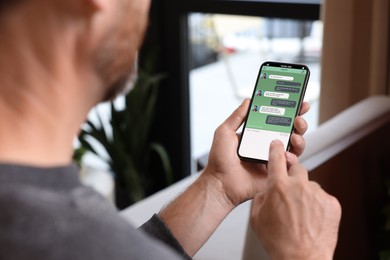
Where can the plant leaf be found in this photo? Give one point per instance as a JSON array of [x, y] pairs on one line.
[[160, 150]]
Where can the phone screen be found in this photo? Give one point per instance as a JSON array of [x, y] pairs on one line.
[[276, 100]]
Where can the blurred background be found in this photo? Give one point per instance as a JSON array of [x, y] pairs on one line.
[[226, 53]]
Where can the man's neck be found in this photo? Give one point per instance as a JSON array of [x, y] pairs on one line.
[[30, 133], [42, 103]]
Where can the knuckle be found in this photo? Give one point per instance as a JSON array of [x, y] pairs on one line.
[[298, 143], [298, 170], [238, 117], [315, 185], [303, 144], [335, 204], [220, 130], [304, 124], [302, 141], [300, 125], [302, 185], [279, 186]]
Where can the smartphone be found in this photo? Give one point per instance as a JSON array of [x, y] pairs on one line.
[[276, 101]]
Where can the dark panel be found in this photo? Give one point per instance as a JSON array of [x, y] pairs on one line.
[[168, 35], [270, 9]]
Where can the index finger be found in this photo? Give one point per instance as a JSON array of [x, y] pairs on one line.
[[277, 163]]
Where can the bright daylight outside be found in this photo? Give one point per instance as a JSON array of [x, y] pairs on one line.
[[226, 53]]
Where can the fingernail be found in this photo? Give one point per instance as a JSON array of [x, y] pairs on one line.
[[276, 141]]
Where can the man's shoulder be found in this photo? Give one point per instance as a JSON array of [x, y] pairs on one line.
[[29, 208], [79, 224], [81, 199]]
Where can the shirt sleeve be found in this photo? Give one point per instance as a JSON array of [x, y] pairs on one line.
[[156, 228]]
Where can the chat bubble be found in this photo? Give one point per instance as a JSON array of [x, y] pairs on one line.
[[283, 103], [272, 110], [287, 89], [281, 77], [286, 83], [278, 120], [276, 95]]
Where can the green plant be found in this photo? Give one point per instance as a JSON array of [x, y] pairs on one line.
[[78, 155], [133, 156]]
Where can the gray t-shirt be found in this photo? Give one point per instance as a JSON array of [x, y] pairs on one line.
[[46, 213]]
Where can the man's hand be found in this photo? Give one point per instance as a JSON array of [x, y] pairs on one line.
[[226, 182], [294, 218], [242, 180]]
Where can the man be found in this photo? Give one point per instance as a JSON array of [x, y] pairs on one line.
[[58, 59]]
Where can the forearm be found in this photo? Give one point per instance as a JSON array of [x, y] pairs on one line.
[[195, 214]]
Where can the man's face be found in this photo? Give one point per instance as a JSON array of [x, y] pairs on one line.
[[116, 56]]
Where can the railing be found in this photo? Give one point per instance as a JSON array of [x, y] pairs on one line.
[[348, 155]]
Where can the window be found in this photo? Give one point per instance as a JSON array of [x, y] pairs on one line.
[[181, 27], [226, 52]]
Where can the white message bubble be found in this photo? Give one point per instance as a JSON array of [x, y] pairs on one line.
[[280, 77], [272, 110], [276, 95]]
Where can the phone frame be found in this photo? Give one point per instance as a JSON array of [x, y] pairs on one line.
[[301, 98]]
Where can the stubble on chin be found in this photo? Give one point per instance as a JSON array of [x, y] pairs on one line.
[[123, 85], [116, 61]]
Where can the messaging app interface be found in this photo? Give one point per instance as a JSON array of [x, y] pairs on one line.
[[273, 109]]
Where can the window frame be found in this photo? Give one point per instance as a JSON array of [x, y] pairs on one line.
[[174, 100]]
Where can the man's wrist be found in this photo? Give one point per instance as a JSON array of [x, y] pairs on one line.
[[216, 189], [197, 211]]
